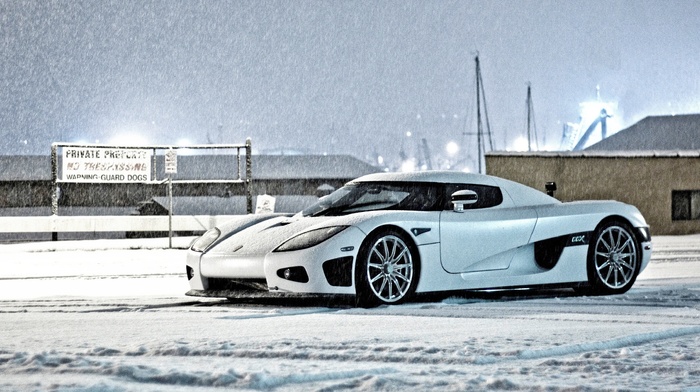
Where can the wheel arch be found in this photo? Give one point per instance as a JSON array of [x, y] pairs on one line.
[[619, 218], [384, 227], [408, 239], [613, 218], [411, 243]]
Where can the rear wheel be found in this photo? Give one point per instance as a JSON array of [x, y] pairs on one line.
[[613, 259], [386, 270]]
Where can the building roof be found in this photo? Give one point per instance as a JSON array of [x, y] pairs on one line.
[[309, 166], [599, 154], [679, 132], [268, 167], [214, 167]]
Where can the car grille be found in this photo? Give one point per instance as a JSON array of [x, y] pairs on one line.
[[237, 284]]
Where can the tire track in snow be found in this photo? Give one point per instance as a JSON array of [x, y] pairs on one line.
[[422, 354], [279, 313], [95, 277], [675, 256], [60, 363], [622, 342]]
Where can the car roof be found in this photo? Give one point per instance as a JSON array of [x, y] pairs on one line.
[[518, 194], [436, 176]]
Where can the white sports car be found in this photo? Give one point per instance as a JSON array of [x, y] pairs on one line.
[[384, 237]]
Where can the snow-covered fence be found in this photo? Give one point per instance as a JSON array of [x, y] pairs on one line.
[[130, 223]]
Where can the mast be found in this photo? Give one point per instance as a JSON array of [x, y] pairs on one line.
[[481, 104], [481, 96], [479, 131], [531, 127]]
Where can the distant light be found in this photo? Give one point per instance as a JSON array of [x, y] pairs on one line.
[[129, 139], [408, 165], [408, 133], [452, 148], [520, 144], [590, 110], [552, 146], [185, 151], [380, 160]]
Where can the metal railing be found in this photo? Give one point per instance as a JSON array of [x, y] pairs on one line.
[[247, 148], [153, 180]]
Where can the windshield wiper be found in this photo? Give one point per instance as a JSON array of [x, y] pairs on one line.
[[328, 211], [361, 207]]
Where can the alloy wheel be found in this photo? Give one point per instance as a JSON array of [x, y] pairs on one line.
[[390, 268], [615, 257]]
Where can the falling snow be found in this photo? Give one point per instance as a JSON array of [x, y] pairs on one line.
[[353, 77]]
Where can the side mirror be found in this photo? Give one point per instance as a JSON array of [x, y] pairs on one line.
[[464, 197], [551, 187]]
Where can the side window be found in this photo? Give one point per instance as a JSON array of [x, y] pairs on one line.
[[489, 196], [685, 205]]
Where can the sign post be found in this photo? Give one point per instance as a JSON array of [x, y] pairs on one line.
[[170, 169]]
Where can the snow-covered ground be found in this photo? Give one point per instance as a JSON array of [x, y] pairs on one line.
[[112, 316]]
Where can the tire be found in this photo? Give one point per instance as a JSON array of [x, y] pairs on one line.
[[613, 259], [386, 270]]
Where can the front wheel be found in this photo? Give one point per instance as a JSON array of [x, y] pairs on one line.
[[386, 270], [613, 259]]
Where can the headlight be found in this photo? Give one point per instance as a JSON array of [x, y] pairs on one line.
[[309, 238], [203, 242]]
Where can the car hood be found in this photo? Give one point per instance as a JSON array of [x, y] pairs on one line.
[[262, 237]]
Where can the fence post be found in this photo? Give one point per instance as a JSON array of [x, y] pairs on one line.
[[249, 175], [154, 172], [54, 184]]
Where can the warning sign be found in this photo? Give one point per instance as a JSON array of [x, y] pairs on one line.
[[265, 204], [171, 161], [93, 164]]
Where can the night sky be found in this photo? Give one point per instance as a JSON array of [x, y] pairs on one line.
[[336, 77]]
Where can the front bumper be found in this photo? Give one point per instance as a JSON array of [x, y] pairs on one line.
[[326, 268], [647, 248], [644, 236]]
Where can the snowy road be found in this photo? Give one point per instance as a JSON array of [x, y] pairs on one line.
[[110, 315]]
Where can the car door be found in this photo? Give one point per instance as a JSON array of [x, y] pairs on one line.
[[486, 234]]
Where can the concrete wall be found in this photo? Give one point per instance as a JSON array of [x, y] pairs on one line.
[[645, 180]]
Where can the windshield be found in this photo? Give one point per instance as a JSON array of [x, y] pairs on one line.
[[377, 196]]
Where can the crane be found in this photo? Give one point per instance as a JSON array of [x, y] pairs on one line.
[[602, 120]]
